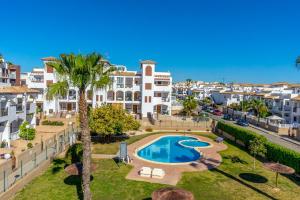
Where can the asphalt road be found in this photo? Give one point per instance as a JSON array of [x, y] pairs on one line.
[[272, 137]]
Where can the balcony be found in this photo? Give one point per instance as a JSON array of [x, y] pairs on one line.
[[3, 112], [287, 108]]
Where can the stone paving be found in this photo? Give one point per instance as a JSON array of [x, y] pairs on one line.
[[211, 159]]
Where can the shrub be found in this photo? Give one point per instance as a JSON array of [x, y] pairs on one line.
[[149, 129], [275, 152], [29, 145], [26, 133], [52, 123], [75, 153]]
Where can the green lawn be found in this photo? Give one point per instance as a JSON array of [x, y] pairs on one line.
[[222, 183]]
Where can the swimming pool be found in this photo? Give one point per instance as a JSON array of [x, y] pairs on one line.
[[167, 149]]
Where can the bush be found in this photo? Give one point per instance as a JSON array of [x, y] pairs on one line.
[[75, 153], [109, 119], [26, 133], [240, 133], [52, 123], [29, 145], [275, 152], [149, 129]]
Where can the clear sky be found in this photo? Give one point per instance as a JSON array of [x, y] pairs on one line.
[[211, 40]]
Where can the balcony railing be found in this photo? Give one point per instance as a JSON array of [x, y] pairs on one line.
[[3, 112]]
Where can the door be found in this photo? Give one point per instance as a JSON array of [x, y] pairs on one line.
[[69, 106], [135, 108], [158, 109]]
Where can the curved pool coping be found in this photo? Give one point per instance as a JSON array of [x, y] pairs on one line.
[[187, 146], [163, 163]]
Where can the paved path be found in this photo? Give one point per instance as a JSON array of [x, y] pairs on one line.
[[103, 156], [272, 137]]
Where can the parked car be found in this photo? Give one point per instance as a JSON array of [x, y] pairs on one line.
[[217, 112], [227, 117], [210, 110], [242, 122]]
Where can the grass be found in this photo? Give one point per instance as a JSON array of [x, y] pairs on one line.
[[233, 179]]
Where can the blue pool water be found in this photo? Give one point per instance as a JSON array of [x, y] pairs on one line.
[[194, 143], [168, 150]]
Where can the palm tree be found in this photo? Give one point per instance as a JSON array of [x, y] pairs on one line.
[[259, 107], [188, 83], [189, 105], [298, 62], [80, 71]]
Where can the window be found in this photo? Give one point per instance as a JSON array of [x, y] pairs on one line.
[[148, 71], [120, 82], [149, 99], [49, 69], [145, 99], [148, 86], [101, 98], [97, 97]]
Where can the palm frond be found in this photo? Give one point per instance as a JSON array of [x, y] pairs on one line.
[[298, 62], [59, 89]]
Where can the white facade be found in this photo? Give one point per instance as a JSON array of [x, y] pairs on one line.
[[143, 93], [17, 104]]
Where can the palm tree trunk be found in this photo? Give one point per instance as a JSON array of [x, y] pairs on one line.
[[86, 140]]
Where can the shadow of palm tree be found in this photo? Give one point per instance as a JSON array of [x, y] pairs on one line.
[[75, 180], [243, 183], [254, 178]]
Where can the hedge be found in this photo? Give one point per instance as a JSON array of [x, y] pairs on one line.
[[275, 152], [52, 123]]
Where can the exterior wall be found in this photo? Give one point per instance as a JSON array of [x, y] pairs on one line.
[[14, 113], [147, 94]]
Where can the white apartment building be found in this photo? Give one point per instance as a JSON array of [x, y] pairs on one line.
[[17, 104], [9, 73], [143, 93]]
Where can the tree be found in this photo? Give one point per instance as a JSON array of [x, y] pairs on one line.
[[257, 147], [298, 62], [206, 101], [259, 107], [26, 133], [108, 120], [80, 71], [189, 105]]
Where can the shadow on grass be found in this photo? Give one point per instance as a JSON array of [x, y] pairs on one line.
[[57, 165], [254, 178], [235, 159], [293, 177], [75, 180], [243, 183]]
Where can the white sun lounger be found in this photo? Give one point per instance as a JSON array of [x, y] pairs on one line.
[[158, 173], [145, 172]]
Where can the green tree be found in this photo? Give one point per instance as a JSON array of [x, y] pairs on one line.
[[108, 120], [259, 107], [189, 105], [206, 101], [26, 133], [80, 71], [257, 147]]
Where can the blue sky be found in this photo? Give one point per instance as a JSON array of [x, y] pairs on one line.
[[211, 40]]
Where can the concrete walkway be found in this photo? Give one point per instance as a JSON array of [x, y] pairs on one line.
[[211, 159], [103, 156]]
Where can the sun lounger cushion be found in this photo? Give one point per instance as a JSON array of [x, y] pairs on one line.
[[158, 173], [145, 172]]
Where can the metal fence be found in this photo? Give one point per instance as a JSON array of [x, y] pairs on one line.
[[14, 170]]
